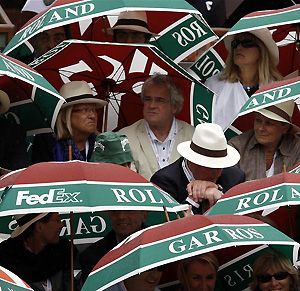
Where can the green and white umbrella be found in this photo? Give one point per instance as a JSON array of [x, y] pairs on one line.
[[34, 102], [179, 35], [183, 238], [268, 95], [276, 197], [80, 187]]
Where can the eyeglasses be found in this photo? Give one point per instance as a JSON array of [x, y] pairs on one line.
[[246, 43], [264, 278], [86, 110], [159, 100]]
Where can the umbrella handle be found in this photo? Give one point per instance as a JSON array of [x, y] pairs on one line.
[[72, 250], [166, 214]]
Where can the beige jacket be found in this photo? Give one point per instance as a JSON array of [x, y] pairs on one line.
[[140, 144]]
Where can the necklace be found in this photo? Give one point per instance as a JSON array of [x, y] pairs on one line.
[[250, 89]]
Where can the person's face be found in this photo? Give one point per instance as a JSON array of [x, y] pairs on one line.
[[273, 283], [50, 230], [158, 110], [146, 281], [129, 36], [201, 276], [47, 40], [245, 50], [204, 173], [84, 119], [125, 223], [269, 132]]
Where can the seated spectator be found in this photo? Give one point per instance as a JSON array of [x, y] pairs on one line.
[[76, 127], [13, 140], [112, 147], [36, 253], [124, 223], [48, 39], [199, 175], [272, 145], [251, 63], [274, 271], [198, 273], [153, 140], [145, 281], [132, 27]]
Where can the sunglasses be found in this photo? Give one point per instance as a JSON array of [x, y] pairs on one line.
[[277, 276], [246, 43]]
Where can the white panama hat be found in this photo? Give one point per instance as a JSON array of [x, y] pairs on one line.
[[264, 35], [209, 148]]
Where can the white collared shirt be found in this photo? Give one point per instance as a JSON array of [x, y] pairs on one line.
[[163, 149]]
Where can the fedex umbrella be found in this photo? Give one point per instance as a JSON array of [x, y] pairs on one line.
[[34, 102], [180, 239], [180, 34], [117, 72], [272, 197], [10, 281], [80, 187], [284, 26]]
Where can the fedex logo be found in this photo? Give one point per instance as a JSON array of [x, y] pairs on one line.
[[54, 196]]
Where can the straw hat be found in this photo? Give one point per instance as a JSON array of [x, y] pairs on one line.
[[25, 220], [265, 36], [4, 102], [79, 92], [133, 20], [112, 147], [209, 148], [280, 112]]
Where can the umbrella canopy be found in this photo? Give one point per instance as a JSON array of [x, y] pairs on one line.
[[34, 102], [10, 281], [80, 187], [268, 95], [265, 196], [184, 35], [117, 72], [180, 239]]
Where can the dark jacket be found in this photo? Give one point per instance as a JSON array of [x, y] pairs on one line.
[[52, 263], [173, 180], [45, 148], [13, 154]]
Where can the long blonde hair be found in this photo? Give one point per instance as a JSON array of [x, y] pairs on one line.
[[63, 123], [267, 71]]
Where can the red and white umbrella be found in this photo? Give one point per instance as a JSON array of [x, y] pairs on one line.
[[11, 282]]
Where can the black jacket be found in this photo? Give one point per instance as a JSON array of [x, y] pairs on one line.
[[173, 180]]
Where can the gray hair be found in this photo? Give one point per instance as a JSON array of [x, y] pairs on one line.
[[159, 79], [63, 123]]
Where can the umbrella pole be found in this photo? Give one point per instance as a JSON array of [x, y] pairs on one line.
[[72, 250], [166, 214]]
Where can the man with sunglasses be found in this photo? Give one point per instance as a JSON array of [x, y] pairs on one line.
[[251, 62]]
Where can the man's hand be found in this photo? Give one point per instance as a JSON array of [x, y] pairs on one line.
[[199, 190]]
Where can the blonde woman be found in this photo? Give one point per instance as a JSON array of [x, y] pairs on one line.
[[274, 271], [198, 273], [76, 126], [251, 62]]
